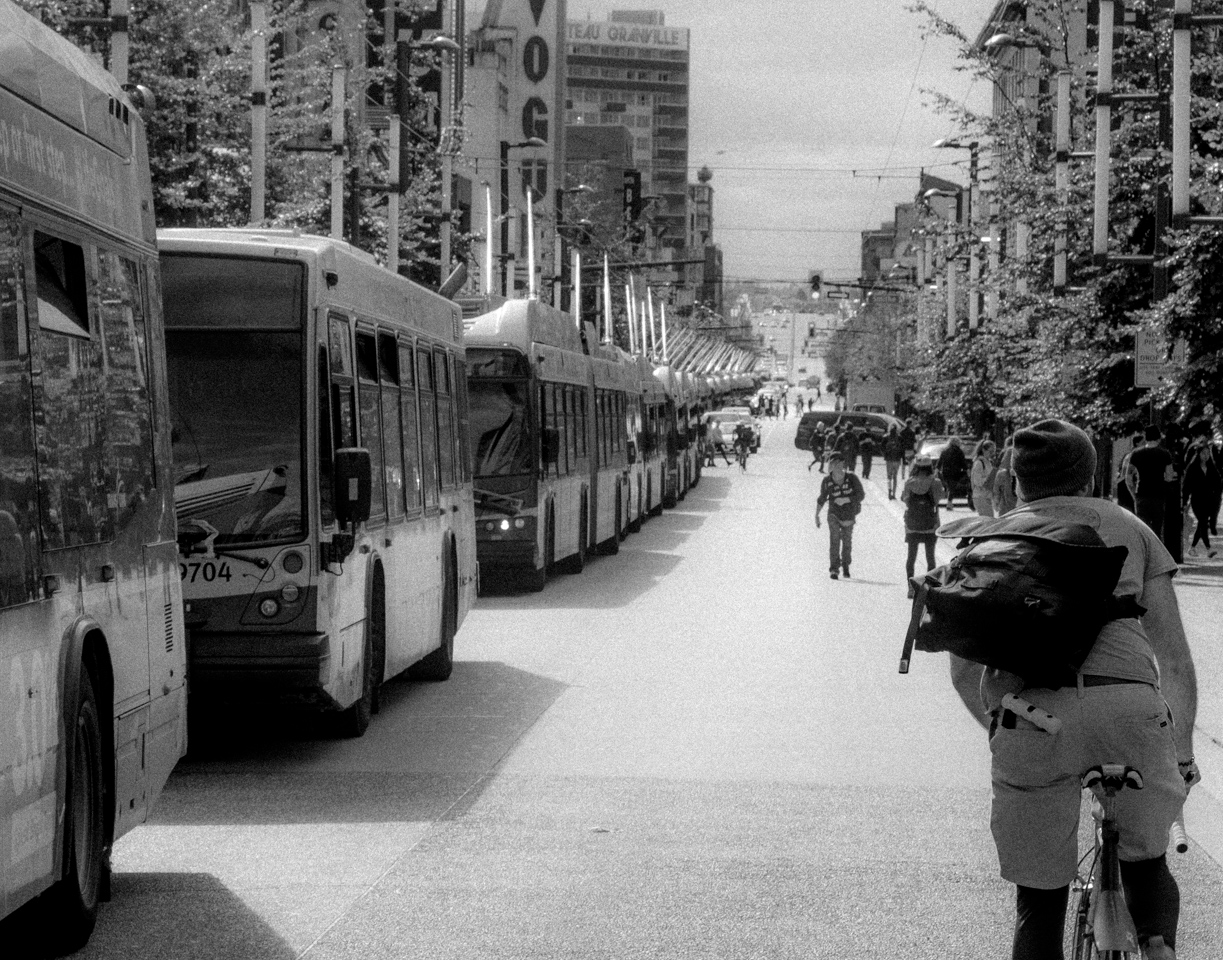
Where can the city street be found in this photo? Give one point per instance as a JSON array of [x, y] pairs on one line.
[[700, 747]]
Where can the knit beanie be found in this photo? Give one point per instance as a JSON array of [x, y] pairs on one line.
[[1052, 458]]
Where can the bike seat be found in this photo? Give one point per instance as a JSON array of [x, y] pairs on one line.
[[1111, 777]]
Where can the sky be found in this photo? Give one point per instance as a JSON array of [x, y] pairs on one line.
[[818, 88]]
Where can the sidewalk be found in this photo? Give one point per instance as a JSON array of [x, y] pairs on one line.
[[1199, 588]]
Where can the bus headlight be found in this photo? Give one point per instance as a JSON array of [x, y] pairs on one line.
[[292, 562], [519, 523], [289, 593], [269, 607], [505, 524]]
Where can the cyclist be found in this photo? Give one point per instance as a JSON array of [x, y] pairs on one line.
[[1115, 714], [743, 442]]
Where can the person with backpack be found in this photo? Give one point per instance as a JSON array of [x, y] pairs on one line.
[[1004, 496], [921, 496], [982, 478], [893, 456], [952, 468], [843, 493], [1131, 699], [847, 447], [818, 438]]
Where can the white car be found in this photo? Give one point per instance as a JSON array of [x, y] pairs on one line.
[[730, 417]]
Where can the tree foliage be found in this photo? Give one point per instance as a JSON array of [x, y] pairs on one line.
[[195, 57], [1072, 356]]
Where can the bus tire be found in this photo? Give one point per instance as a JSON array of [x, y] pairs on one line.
[[377, 609], [437, 666], [611, 546], [72, 904], [550, 541], [535, 580]]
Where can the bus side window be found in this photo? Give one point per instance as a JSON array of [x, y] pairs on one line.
[[19, 553], [428, 424], [71, 399], [445, 419], [343, 409], [464, 440], [371, 419], [392, 434], [412, 481], [326, 449], [129, 440], [583, 424]]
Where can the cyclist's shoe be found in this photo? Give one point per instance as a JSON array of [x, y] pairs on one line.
[[845, 572], [1156, 949], [834, 575]]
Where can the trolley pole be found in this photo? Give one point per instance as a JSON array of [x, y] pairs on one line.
[[337, 151], [259, 109]]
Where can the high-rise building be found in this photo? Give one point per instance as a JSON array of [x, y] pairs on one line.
[[632, 71]]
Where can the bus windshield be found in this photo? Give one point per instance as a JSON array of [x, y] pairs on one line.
[[500, 427], [236, 400]]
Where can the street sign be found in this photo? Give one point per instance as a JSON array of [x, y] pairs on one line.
[[836, 295], [1151, 368]]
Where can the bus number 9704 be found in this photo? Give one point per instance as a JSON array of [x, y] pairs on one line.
[[205, 570]]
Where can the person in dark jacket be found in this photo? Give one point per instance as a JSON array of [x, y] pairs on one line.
[[847, 447], [867, 448], [1203, 483], [921, 495], [893, 457], [819, 438], [952, 468], [843, 493]]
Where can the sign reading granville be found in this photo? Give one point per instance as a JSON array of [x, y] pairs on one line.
[[626, 34]]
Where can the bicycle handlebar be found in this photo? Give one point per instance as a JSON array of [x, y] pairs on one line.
[[1179, 839]]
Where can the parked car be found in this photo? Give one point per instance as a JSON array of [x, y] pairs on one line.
[[729, 418], [933, 446], [876, 424]]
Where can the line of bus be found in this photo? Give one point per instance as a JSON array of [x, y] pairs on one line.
[[575, 442], [92, 659], [326, 535]]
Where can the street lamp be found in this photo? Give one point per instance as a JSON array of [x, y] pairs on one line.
[[506, 147], [974, 263]]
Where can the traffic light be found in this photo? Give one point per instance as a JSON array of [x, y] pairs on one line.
[[817, 283]]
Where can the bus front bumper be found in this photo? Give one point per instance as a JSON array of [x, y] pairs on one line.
[[282, 667]]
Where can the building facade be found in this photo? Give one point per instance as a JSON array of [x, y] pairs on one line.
[[632, 71]]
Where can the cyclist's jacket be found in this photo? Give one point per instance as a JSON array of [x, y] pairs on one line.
[[844, 499], [743, 434]]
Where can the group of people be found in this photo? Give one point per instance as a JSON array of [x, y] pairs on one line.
[[1136, 698], [1168, 472], [715, 442], [853, 443]]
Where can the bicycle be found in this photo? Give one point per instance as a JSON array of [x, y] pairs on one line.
[[1103, 927], [741, 455]]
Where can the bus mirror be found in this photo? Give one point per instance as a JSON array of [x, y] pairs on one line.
[[552, 445], [352, 475]]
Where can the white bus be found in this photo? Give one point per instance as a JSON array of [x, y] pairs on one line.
[[92, 660], [325, 516]]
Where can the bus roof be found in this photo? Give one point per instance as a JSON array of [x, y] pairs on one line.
[[522, 323], [47, 71], [361, 284]]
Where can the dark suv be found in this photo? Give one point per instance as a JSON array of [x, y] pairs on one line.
[[876, 424]]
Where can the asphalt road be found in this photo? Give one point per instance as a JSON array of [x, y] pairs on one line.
[[698, 748]]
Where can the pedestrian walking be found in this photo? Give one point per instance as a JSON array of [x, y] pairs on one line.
[[866, 450], [1120, 710], [818, 439], [952, 468], [1203, 435], [1148, 474], [921, 496], [1005, 499], [893, 457], [982, 478], [717, 443], [1174, 517], [811, 400], [1202, 487], [847, 446], [843, 493], [908, 437], [1125, 499]]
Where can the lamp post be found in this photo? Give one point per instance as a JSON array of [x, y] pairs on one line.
[[506, 147], [974, 260]]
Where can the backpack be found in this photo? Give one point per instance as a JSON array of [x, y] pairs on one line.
[[1026, 594], [921, 514]]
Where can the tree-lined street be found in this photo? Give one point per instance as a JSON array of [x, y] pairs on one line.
[[698, 748]]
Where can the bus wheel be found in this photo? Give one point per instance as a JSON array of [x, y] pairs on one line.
[[378, 625], [611, 546], [439, 664], [535, 580], [355, 720], [72, 904]]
